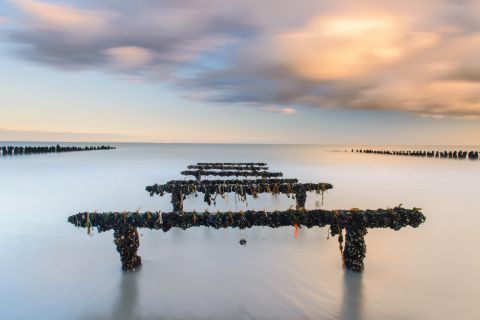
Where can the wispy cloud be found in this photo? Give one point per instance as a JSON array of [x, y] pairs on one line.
[[282, 110], [52, 16], [4, 20], [416, 56], [32, 135]]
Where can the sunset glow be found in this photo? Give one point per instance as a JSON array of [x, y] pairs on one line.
[[134, 71]]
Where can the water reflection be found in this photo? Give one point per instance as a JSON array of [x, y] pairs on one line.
[[126, 302], [125, 306], [272, 279], [352, 299]]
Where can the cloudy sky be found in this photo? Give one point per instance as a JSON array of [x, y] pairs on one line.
[[271, 71]]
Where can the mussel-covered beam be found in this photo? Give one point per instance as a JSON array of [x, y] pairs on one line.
[[210, 189], [252, 164], [226, 167], [231, 173], [354, 221], [395, 218], [244, 182]]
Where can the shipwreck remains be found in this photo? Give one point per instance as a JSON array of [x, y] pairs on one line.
[[350, 226]]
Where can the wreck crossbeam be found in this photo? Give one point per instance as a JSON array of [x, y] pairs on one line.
[[270, 183], [227, 167], [231, 173], [355, 223]]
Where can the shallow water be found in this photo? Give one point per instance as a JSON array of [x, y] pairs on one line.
[[52, 270]]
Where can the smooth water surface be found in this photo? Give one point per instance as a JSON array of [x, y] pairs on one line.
[[51, 270]]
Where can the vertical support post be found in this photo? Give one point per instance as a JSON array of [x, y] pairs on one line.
[[177, 199], [127, 241], [355, 247], [301, 197]]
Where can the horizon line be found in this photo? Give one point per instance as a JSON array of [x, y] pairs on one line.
[[237, 143]]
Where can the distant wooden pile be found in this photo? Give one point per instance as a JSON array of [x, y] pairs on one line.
[[471, 155], [24, 150]]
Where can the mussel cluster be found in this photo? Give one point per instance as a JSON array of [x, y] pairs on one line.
[[355, 248], [472, 155], [21, 150], [127, 241]]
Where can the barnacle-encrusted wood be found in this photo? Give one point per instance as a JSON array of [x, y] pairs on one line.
[[231, 181], [127, 241], [226, 167], [252, 164], [355, 222], [240, 169], [241, 188], [232, 173]]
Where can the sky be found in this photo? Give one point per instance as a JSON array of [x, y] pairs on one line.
[[241, 71]]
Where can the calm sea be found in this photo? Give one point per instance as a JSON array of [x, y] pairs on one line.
[[51, 270]]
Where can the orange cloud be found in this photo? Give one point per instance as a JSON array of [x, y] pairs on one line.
[[57, 16], [381, 62], [412, 56], [286, 111], [336, 47], [129, 57], [4, 20]]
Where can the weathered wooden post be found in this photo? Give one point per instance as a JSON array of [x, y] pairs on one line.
[[127, 241], [355, 248], [177, 199], [198, 176], [301, 197]]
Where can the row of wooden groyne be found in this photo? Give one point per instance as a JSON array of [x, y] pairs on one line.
[[350, 226], [471, 155], [23, 150]]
